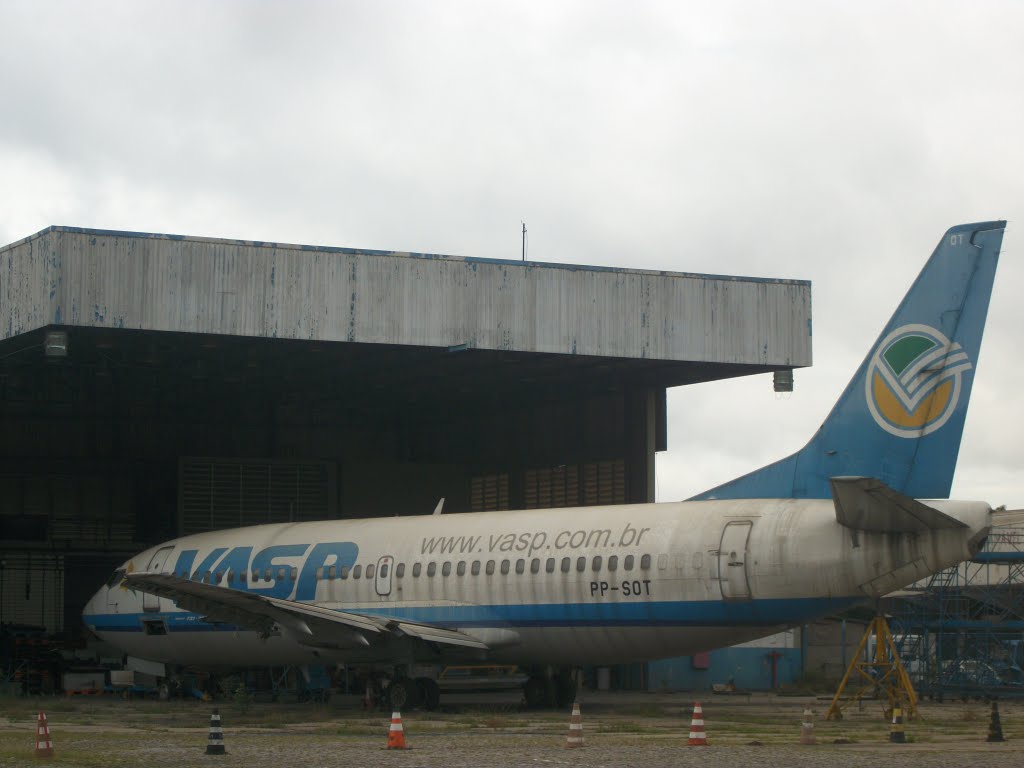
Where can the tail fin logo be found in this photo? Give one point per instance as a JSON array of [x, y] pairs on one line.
[[914, 380]]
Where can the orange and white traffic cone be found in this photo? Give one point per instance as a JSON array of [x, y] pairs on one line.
[[396, 734], [807, 728], [698, 738], [44, 747], [575, 737]]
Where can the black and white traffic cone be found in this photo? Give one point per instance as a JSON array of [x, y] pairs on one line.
[[215, 741], [995, 727]]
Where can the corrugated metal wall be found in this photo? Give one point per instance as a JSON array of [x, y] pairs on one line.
[[118, 280]]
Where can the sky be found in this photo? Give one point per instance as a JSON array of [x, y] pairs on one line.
[[827, 141]]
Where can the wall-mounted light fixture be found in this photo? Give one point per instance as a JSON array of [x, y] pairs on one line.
[[56, 344]]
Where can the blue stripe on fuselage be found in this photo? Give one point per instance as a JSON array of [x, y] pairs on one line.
[[703, 613]]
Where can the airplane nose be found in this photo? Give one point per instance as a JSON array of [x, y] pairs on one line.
[[96, 604]]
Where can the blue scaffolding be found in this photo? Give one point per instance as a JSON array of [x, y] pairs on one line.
[[961, 633]]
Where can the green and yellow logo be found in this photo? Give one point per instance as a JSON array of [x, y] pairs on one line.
[[914, 380]]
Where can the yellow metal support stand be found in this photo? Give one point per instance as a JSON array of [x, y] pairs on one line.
[[884, 677]]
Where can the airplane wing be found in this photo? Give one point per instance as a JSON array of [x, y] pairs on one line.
[[311, 624]]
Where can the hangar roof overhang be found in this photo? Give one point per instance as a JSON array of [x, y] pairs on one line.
[[384, 320]]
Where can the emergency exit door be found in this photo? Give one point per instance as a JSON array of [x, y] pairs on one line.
[[732, 561]]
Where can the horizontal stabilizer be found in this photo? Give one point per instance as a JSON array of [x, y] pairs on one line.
[[1003, 517], [867, 504]]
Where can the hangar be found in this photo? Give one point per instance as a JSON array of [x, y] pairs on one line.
[[155, 385]]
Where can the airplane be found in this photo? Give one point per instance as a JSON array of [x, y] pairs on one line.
[[835, 525]]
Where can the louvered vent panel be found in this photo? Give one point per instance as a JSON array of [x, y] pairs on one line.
[[219, 493], [488, 493]]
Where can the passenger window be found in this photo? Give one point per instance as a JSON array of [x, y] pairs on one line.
[[596, 564], [280, 574], [613, 562], [332, 572], [255, 575], [319, 573], [417, 568], [242, 575], [344, 572], [520, 566], [399, 570], [581, 564], [218, 576], [662, 562], [293, 574], [565, 564], [206, 577], [268, 575], [627, 564], [490, 567], [475, 570], [357, 572], [550, 565], [446, 569], [461, 568], [370, 570], [535, 565], [645, 562], [384, 571], [431, 569], [505, 566]]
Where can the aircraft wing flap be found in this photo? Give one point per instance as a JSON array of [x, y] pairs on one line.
[[432, 634], [307, 610], [867, 504]]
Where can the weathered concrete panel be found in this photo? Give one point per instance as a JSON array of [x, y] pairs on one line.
[[68, 276]]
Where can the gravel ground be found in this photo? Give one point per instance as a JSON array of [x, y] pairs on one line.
[[630, 730]]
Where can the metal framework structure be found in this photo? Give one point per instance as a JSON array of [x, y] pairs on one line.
[[961, 632], [876, 671]]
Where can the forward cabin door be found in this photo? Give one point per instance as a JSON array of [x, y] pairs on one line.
[[732, 561], [156, 565]]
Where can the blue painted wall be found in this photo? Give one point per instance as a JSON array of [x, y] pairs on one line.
[[749, 668]]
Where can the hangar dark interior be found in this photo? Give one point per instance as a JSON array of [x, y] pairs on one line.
[[96, 445]]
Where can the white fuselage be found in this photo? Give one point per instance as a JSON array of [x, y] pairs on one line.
[[598, 585]]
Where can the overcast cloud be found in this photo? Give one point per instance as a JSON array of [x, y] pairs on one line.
[[828, 141]]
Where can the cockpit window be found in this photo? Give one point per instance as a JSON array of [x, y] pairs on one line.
[[116, 578]]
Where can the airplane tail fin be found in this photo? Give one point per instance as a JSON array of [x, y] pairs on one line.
[[901, 417]]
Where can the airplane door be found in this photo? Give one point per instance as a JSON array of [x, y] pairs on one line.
[[156, 565], [383, 578], [732, 561]]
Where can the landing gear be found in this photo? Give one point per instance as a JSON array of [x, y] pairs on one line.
[[539, 692], [546, 690], [565, 689], [403, 693], [429, 693]]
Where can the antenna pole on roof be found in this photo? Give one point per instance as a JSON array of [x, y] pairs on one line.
[[524, 241]]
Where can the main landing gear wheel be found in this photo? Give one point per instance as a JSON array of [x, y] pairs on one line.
[[565, 689], [539, 692], [429, 693], [403, 693]]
